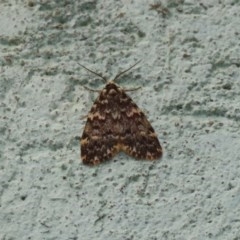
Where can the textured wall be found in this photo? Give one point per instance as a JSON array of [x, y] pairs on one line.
[[190, 92]]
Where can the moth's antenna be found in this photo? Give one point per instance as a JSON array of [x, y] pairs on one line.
[[93, 72], [121, 73]]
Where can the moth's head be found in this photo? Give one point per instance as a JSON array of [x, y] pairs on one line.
[[112, 86], [111, 82]]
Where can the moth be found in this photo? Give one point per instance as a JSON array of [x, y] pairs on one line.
[[114, 124]]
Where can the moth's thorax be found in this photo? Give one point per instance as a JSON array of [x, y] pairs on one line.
[[111, 89]]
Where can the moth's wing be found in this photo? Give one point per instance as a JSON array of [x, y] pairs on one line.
[[114, 124], [139, 139], [101, 136], [98, 143]]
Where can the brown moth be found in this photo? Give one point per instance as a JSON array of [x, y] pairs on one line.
[[114, 124]]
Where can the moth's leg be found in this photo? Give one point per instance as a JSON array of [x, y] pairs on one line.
[[92, 90], [132, 89], [83, 117]]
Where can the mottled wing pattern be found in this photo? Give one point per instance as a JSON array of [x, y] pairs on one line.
[[114, 124], [139, 139]]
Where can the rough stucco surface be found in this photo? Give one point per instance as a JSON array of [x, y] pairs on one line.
[[189, 76]]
